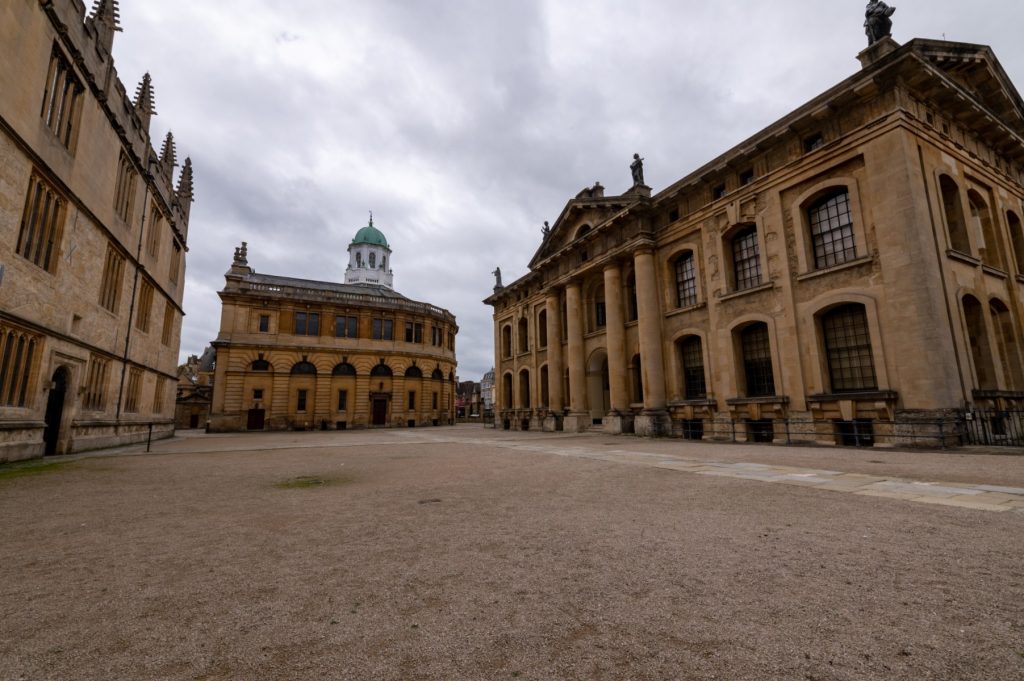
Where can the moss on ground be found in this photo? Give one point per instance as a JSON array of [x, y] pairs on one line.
[[307, 481], [21, 469]]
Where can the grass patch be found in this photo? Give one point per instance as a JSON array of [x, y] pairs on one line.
[[308, 481], [21, 469]]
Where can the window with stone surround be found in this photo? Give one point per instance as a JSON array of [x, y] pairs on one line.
[[832, 230], [851, 366], [383, 329], [346, 326], [145, 307], [746, 258], [756, 352], [691, 356], [158, 395], [168, 328], [19, 351], [96, 379], [131, 402], [156, 219], [307, 323], [113, 279], [62, 99], [953, 210], [124, 189], [686, 280], [175, 268], [42, 224]]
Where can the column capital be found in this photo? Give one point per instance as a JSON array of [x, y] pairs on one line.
[[644, 247], [612, 265]]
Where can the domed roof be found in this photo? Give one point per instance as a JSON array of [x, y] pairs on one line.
[[370, 235]]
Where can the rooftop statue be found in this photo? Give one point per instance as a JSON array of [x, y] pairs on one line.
[[877, 23], [497, 278], [637, 168], [546, 229]]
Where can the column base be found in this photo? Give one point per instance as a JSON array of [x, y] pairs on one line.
[[652, 423], [577, 423], [552, 423], [617, 423]]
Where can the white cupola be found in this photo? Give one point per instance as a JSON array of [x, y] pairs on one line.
[[369, 258]]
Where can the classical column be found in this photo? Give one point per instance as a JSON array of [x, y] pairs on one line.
[[555, 365], [578, 419], [654, 420], [615, 331]]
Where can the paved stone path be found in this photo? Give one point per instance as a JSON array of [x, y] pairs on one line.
[[979, 497]]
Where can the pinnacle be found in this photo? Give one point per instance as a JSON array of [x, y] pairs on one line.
[[169, 152], [185, 180], [107, 12], [144, 96]]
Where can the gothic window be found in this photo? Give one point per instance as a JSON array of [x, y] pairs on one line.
[[832, 230], [851, 367], [95, 397], [686, 280], [145, 306], [41, 225], [746, 259], [17, 352], [692, 359], [62, 99], [131, 403], [757, 360], [113, 277], [124, 189]]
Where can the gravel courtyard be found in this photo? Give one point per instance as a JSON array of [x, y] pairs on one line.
[[466, 553]]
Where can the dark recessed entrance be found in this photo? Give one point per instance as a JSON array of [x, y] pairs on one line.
[[256, 419], [380, 411], [55, 410]]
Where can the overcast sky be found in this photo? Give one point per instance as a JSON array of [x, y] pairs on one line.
[[465, 124]]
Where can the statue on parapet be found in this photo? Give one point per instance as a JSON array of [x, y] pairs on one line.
[[637, 168], [877, 24], [546, 229], [497, 278]]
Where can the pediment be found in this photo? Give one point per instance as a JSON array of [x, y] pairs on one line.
[[587, 211]]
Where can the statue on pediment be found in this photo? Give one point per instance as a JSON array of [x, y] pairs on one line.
[[877, 23], [637, 168]]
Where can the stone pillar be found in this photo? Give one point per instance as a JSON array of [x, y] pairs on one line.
[[616, 340], [578, 419], [654, 420], [555, 366]]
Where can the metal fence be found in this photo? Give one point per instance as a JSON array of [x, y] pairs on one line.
[[855, 433], [993, 427]]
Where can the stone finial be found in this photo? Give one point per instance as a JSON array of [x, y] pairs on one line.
[[185, 193], [105, 20], [144, 105], [242, 255], [168, 155]]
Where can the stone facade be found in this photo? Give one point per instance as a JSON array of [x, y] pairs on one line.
[[301, 354], [92, 240], [194, 397], [860, 261]]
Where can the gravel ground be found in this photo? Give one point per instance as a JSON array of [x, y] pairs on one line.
[[439, 554]]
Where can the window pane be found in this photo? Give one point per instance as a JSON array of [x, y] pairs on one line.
[[832, 231], [686, 281], [757, 361], [746, 259], [848, 348]]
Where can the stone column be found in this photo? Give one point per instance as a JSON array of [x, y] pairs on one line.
[[616, 340], [555, 366], [654, 420], [578, 419]]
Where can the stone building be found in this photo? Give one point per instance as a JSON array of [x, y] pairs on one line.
[[93, 235], [858, 263], [300, 354], [195, 391]]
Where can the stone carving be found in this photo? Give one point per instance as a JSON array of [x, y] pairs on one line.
[[546, 229], [637, 168], [242, 254], [497, 278], [877, 23]]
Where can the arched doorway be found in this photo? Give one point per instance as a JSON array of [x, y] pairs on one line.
[[598, 386], [55, 411]]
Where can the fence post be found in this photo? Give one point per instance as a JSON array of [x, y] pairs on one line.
[[732, 427], [149, 438], [942, 434], [789, 440]]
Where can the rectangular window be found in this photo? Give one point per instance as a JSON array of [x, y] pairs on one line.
[[155, 229], [600, 315], [718, 192], [412, 399], [18, 352], [686, 280], [113, 276], [757, 361], [95, 398], [383, 329], [131, 402], [418, 333], [435, 401], [257, 394], [832, 230], [264, 323], [175, 270], [41, 224], [342, 400], [346, 327], [168, 330], [124, 190], [408, 332], [145, 306], [813, 142], [746, 177], [301, 401], [692, 353], [307, 323], [746, 259], [62, 99], [158, 395]]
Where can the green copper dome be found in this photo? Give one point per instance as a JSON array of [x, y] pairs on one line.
[[370, 235]]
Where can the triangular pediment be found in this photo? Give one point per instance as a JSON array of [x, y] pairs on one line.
[[586, 212], [975, 70]]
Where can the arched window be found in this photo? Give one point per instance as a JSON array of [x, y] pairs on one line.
[[359, 259], [260, 365], [373, 260], [414, 372], [691, 358], [523, 334], [832, 230], [542, 329], [506, 391], [437, 374], [851, 366], [632, 310], [1017, 238], [992, 253], [544, 398], [506, 341], [1006, 341], [954, 211], [344, 369], [637, 379], [381, 370], [686, 280], [981, 348], [757, 360], [306, 368], [582, 231], [524, 388], [384, 263], [598, 319], [746, 259]]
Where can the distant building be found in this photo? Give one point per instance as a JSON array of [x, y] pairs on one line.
[[857, 264], [195, 391], [93, 236], [301, 354], [487, 391], [467, 399]]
